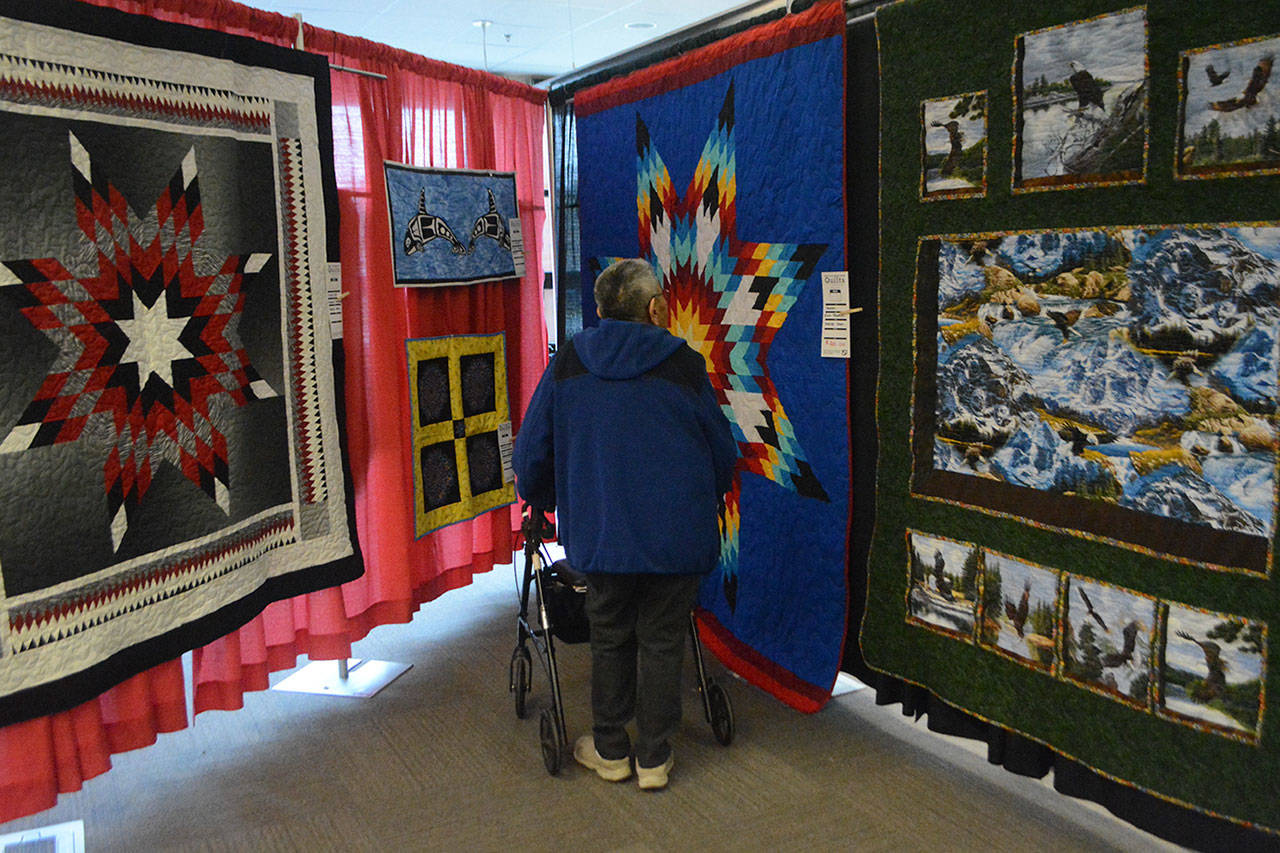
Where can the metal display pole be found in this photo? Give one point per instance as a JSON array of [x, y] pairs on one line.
[[355, 677]]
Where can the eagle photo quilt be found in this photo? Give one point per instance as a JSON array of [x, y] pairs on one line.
[[1080, 102], [169, 451], [724, 169], [1077, 409], [1228, 118], [954, 132]]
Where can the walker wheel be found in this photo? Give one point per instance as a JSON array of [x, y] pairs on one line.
[[721, 713], [521, 667], [552, 750]]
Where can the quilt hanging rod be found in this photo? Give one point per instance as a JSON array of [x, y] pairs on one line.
[[860, 10], [298, 43], [359, 71]]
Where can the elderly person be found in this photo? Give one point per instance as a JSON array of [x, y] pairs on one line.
[[625, 436]]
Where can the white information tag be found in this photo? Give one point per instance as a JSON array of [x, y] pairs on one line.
[[835, 314], [335, 299], [505, 447], [517, 246]]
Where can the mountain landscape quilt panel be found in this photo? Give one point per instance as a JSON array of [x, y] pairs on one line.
[[723, 168], [1075, 532], [169, 448], [1126, 377]]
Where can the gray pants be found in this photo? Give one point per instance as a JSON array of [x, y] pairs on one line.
[[638, 629]]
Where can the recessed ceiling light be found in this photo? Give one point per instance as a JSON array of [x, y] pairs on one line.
[[640, 25], [482, 23]]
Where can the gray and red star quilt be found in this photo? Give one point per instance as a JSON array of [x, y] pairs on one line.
[[169, 445]]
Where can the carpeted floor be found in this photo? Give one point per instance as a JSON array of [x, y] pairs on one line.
[[439, 761]]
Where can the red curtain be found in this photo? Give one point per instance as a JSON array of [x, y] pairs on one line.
[[427, 113]]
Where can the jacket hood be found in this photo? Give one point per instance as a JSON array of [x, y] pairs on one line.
[[619, 349]]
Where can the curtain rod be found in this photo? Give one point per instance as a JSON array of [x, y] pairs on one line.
[[358, 71], [300, 45], [747, 13], [658, 45]]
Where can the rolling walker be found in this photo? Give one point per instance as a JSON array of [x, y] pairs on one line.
[[559, 596]]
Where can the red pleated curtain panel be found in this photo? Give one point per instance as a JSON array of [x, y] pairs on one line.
[[426, 113]]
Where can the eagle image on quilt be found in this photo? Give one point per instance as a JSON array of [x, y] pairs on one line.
[[459, 426], [740, 211]]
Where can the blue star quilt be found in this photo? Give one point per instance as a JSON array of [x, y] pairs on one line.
[[724, 169]]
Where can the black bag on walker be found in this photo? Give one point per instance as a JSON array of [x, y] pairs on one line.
[[565, 592]]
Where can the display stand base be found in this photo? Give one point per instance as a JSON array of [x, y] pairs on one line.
[[356, 677], [56, 838], [845, 683]]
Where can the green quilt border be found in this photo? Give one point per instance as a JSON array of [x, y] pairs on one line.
[[931, 49]]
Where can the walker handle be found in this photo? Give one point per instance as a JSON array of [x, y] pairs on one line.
[[536, 527]]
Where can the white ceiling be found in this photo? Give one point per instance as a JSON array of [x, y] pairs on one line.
[[528, 38]]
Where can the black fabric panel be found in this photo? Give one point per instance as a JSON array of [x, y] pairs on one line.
[[1167, 820], [684, 367], [434, 404], [1010, 750], [862, 199], [567, 364], [1017, 754], [564, 154], [1028, 758]]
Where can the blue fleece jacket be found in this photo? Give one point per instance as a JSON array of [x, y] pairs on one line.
[[625, 436]]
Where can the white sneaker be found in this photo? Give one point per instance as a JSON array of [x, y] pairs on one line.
[[655, 778], [608, 769]]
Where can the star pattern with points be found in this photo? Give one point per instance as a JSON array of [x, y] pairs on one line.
[[728, 299], [149, 359]]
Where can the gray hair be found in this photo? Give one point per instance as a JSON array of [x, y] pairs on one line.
[[625, 289]]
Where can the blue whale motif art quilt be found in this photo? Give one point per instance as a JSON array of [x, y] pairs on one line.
[[452, 226]]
